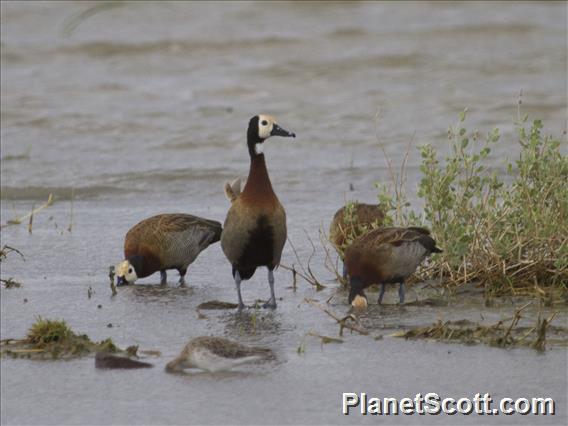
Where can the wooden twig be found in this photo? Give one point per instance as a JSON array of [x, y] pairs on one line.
[[307, 275], [7, 249], [341, 321]]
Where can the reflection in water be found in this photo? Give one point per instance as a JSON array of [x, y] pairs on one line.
[[221, 375], [151, 293], [250, 325]]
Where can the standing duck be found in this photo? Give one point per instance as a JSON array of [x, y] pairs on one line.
[[165, 241], [215, 354], [386, 256], [350, 222], [254, 232]]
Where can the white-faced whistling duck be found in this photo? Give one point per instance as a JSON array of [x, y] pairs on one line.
[[360, 220], [214, 354], [386, 256], [254, 232], [165, 241]]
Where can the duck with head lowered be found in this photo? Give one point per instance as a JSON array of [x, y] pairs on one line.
[[386, 256], [162, 242], [254, 232]]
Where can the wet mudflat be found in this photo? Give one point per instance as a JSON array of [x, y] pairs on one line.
[[129, 123], [303, 385]]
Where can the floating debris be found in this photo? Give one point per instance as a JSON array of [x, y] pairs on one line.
[[107, 360], [217, 304], [10, 283], [325, 339], [111, 273]]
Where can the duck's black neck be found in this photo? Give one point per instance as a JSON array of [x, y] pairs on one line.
[[356, 288], [252, 137], [258, 182], [137, 262]]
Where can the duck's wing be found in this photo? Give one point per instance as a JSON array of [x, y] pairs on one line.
[[142, 231], [390, 235], [398, 236]]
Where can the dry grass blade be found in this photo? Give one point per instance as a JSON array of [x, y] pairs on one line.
[[540, 343], [31, 221], [329, 263], [19, 220]]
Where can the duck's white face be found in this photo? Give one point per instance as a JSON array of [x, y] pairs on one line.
[[125, 272], [265, 125]]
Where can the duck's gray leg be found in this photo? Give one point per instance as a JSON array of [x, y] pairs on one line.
[[182, 273], [163, 277], [401, 293], [238, 285], [382, 293], [272, 302]]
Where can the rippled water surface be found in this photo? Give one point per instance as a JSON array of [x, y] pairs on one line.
[[142, 108]]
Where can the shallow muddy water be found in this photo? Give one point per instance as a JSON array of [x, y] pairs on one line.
[[143, 109]]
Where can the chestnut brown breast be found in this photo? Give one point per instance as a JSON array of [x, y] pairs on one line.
[[254, 232]]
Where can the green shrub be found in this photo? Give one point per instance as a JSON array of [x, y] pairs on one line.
[[508, 232]]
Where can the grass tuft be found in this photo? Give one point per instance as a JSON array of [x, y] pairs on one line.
[[53, 339]]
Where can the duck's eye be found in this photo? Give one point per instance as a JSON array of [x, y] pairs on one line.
[[264, 122], [129, 270]]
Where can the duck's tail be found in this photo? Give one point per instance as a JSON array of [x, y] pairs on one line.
[[233, 189]]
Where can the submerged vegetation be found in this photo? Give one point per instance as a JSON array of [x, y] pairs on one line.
[[499, 334], [49, 339], [508, 233]]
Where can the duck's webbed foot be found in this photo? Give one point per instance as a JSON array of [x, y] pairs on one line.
[[272, 302]]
